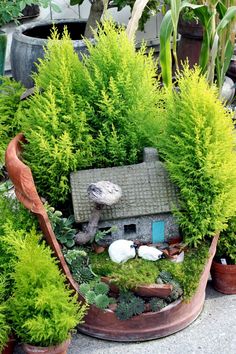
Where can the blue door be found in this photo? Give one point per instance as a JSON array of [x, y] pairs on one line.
[[158, 231]]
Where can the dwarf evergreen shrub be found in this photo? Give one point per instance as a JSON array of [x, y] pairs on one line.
[[227, 241], [4, 325], [10, 92], [42, 309], [96, 113], [196, 141]]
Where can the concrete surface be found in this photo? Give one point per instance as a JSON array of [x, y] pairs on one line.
[[214, 332]]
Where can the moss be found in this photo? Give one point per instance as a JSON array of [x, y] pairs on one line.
[[139, 271]]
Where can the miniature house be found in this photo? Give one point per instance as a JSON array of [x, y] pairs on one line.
[[144, 210]]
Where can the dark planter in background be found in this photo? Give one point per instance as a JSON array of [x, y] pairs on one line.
[[190, 42], [30, 11], [3, 45], [28, 43]]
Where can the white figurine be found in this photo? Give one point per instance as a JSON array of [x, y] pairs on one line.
[[149, 253], [121, 250]]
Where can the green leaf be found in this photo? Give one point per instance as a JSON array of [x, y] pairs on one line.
[[76, 2], [228, 17], [55, 7], [166, 30]]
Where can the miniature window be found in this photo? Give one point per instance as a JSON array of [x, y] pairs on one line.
[[130, 229]]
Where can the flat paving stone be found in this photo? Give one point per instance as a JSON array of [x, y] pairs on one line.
[[213, 332]]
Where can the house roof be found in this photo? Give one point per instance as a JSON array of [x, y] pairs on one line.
[[146, 189]]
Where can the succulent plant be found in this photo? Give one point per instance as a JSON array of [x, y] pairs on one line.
[[123, 311], [164, 277], [137, 305], [95, 293], [78, 262], [102, 301], [129, 305], [84, 288], [62, 227], [101, 288], [157, 304]]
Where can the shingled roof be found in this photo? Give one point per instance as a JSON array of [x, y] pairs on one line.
[[146, 189]]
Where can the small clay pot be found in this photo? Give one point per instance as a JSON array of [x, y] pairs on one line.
[[57, 349], [9, 348], [223, 277]]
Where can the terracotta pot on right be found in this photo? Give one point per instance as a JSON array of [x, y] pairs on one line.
[[224, 277], [9, 348], [57, 349]]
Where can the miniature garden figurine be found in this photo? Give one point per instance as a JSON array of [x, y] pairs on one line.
[[121, 251]]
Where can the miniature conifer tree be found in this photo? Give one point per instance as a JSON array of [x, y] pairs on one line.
[[197, 143]]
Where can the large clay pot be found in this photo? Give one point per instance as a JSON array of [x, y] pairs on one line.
[[189, 45], [224, 277], [104, 323], [28, 44], [3, 46], [56, 349]]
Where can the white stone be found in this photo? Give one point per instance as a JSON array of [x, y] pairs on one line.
[[121, 250], [149, 253]]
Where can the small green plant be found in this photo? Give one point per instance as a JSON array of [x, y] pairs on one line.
[[42, 309], [96, 293], [101, 234], [157, 304], [79, 265], [129, 305], [227, 242], [62, 227], [197, 143]]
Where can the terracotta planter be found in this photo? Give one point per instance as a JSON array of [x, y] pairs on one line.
[[224, 277], [9, 348], [57, 349], [99, 323]]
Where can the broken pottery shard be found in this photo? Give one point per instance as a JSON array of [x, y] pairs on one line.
[[149, 253], [121, 250], [104, 192]]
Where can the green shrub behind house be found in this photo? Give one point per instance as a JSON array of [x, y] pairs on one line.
[[94, 113], [197, 142]]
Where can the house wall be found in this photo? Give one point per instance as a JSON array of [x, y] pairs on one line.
[[125, 228]]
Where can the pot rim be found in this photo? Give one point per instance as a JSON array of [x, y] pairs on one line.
[[38, 349], [21, 37], [224, 268]]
